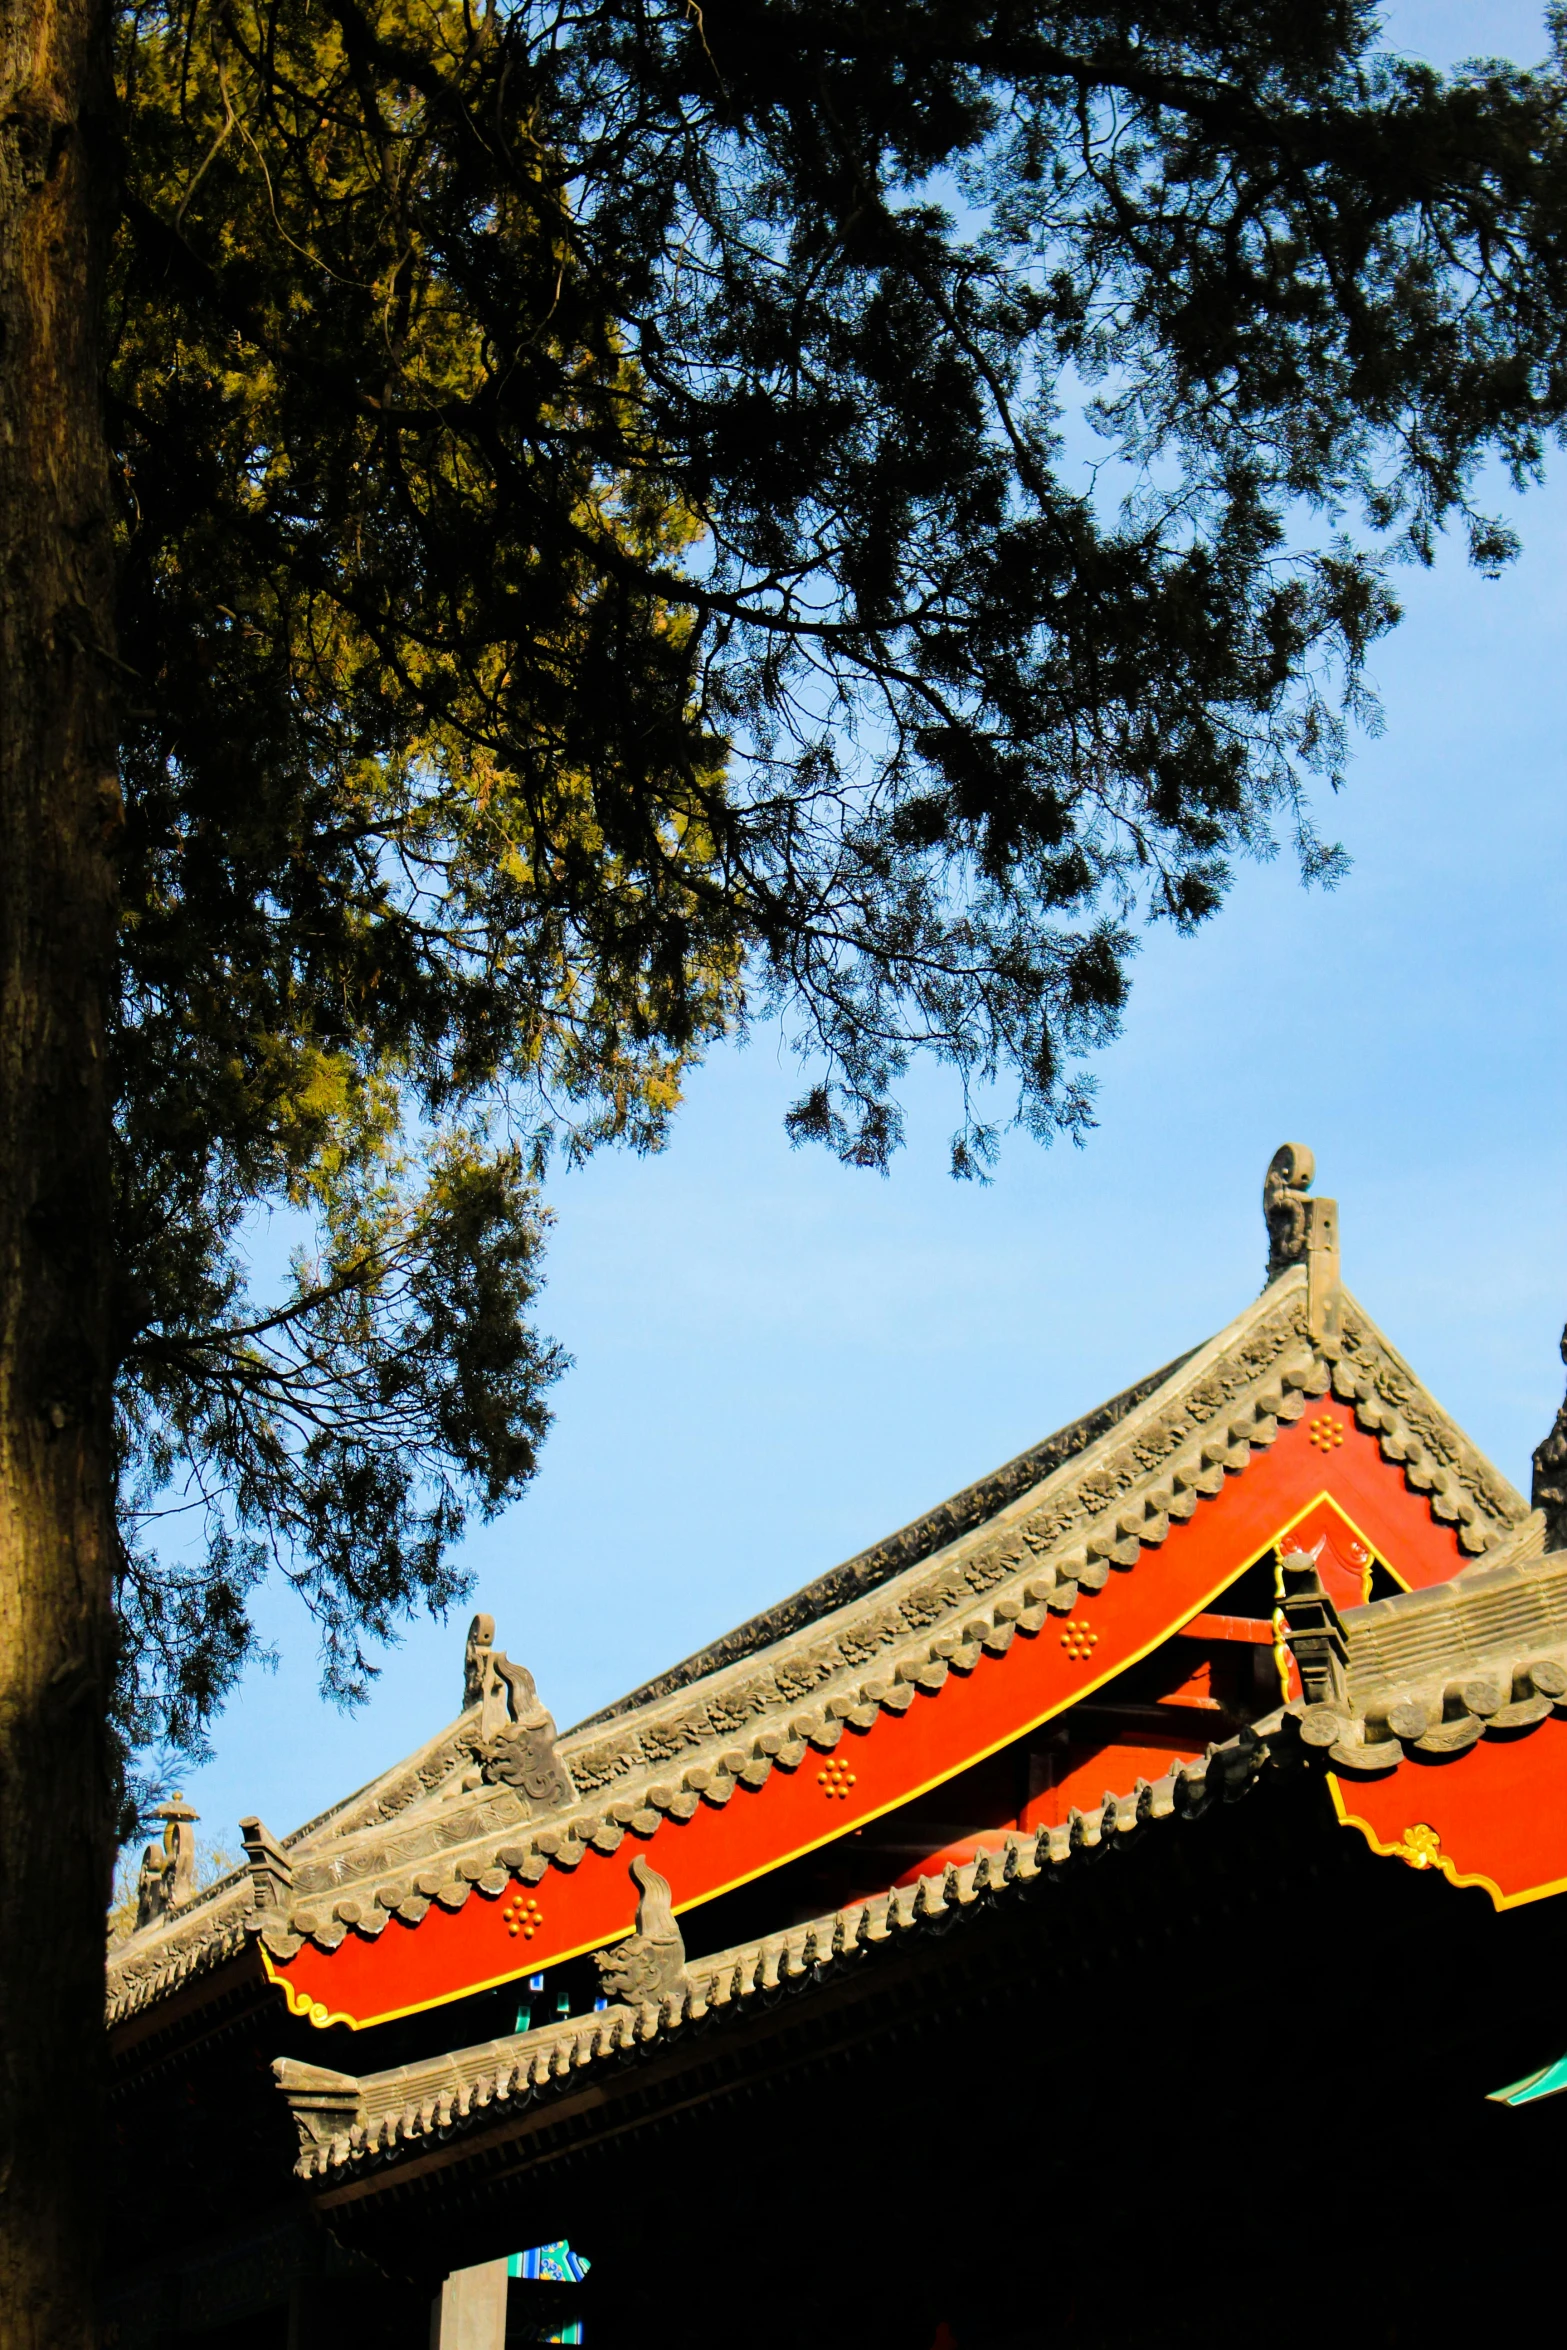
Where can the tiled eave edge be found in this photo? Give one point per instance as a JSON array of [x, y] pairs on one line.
[[347, 2126], [1434, 1671], [1100, 1512]]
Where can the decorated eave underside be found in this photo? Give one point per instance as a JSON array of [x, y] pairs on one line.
[[967, 1580]]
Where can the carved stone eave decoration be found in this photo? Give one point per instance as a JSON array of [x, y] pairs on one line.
[[324, 2104], [1316, 1631], [271, 1870], [384, 2117], [650, 1963], [1104, 1509]]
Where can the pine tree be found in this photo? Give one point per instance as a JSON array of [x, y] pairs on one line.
[[569, 530]]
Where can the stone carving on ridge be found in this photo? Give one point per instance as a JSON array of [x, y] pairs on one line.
[[1303, 1231], [517, 1736], [651, 1963], [1285, 1208], [168, 1870], [476, 1656], [271, 1871], [1549, 1492]]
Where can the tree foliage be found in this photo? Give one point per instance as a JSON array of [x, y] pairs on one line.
[[633, 515]]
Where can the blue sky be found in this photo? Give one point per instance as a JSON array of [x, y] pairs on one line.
[[779, 1360]]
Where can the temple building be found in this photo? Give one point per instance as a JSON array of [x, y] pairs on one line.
[[1121, 1908]]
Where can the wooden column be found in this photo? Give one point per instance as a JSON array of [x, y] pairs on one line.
[[469, 2312]]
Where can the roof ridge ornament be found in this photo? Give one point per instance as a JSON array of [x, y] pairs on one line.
[[1320, 1649], [476, 1655], [650, 1963], [168, 1872], [1303, 1231], [1548, 1491], [516, 1734], [271, 1870]]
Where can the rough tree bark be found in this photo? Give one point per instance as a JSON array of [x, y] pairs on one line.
[[59, 811]]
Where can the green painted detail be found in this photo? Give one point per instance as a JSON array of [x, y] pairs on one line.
[[1541, 2084]]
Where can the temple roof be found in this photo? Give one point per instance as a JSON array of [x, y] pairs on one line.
[[997, 1560], [1490, 1632], [1491, 1627]]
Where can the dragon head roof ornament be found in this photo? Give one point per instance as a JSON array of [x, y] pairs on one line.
[[516, 1740], [651, 1963]]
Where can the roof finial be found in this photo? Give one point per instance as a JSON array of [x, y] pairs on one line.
[[1284, 1205], [1550, 1476], [1303, 1231], [514, 1740], [168, 1873], [476, 1659]]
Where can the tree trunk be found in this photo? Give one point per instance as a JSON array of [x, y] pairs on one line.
[[59, 812]]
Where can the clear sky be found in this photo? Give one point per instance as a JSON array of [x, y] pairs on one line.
[[779, 1360]]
